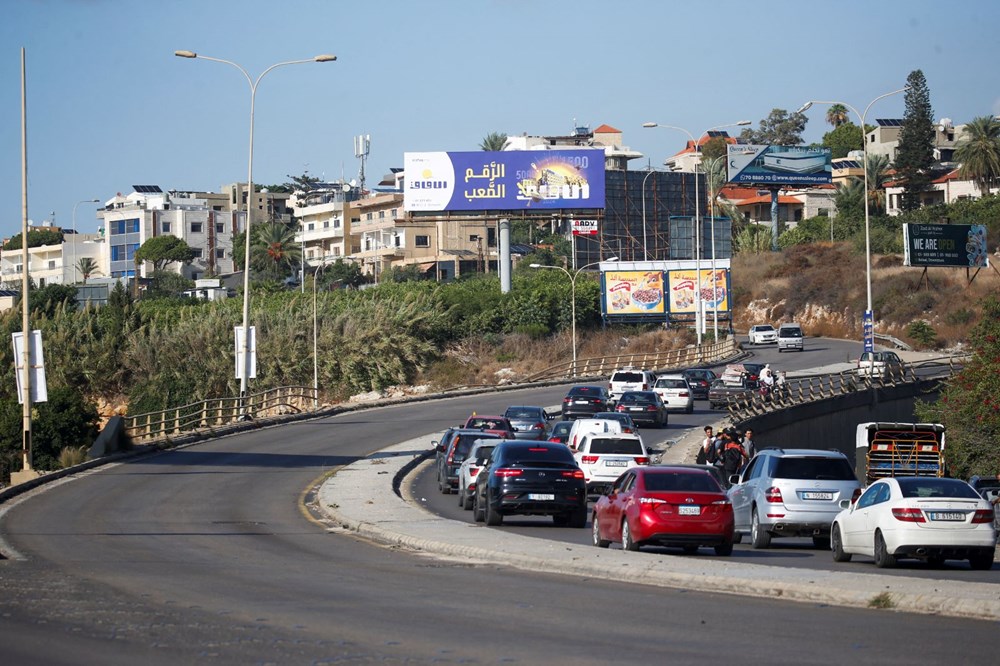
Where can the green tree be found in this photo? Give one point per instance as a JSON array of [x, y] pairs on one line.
[[167, 284], [163, 250], [850, 199], [970, 402], [274, 250], [915, 154], [752, 239], [305, 183], [836, 115], [36, 238], [87, 267], [494, 141], [780, 128], [843, 139], [344, 273], [979, 152]]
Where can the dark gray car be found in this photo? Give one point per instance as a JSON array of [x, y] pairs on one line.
[[529, 421]]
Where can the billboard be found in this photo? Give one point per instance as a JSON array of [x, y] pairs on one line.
[[779, 165], [681, 285], [962, 245], [633, 293], [505, 180]]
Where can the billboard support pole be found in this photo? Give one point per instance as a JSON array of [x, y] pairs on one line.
[[774, 219]]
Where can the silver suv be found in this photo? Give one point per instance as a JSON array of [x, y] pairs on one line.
[[791, 492]]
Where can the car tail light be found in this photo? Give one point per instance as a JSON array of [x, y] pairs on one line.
[[982, 516], [575, 474], [620, 408], [538, 426], [505, 472], [683, 394], [651, 408], [589, 460], [856, 495], [641, 460], [722, 502], [451, 456], [567, 399], [645, 387], [773, 495], [907, 515]]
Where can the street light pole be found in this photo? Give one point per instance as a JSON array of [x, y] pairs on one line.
[[572, 299], [244, 375], [869, 313], [697, 218], [74, 233]]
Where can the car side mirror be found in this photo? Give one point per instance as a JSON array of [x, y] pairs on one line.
[[734, 479], [845, 504], [437, 446], [481, 462]]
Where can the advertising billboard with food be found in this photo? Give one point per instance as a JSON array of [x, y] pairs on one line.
[[633, 293], [681, 286]]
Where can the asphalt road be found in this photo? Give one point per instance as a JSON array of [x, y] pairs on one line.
[[205, 555]]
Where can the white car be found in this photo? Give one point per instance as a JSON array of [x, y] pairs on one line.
[[604, 456], [467, 473], [582, 426], [927, 518], [629, 379], [675, 392], [762, 334]]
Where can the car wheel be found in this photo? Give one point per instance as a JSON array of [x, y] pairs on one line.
[[466, 501], [759, 537], [982, 561], [493, 517], [737, 537], [477, 509], [628, 543], [443, 485], [560, 519], [690, 409], [883, 560], [838, 546], [461, 497], [690, 549], [596, 532], [821, 542], [724, 549], [578, 517]]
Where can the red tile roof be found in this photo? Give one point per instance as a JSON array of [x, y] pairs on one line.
[[782, 199], [607, 129]]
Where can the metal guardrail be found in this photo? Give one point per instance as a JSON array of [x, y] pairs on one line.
[[671, 358], [802, 390], [214, 412]]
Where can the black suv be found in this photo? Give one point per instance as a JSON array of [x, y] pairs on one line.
[[451, 451], [531, 478], [585, 401]]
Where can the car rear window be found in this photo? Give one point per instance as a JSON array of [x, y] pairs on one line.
[[918, 486], [630, 377], [825, 469], [464, 442], [632, 447], [524, 413], [638, 399], [588, 391], [681, 481], [537, 453], [671, 383]]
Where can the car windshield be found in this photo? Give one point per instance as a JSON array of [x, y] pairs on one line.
[[486, 423], [790, 333], [681, 481], [671, 383], [632, 447], [826, 469], [919, 486], [765, 327]]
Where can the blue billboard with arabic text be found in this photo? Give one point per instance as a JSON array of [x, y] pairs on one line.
[[505, 180]]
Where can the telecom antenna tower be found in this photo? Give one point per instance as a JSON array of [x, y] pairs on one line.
[[362, 144]]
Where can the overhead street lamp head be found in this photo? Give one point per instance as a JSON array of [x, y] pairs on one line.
[[805, 107], [185, 54], [612, 259], [326, 57], [744, 122], [649, 125]]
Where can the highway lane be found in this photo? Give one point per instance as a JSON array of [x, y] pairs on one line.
[[203, 555]]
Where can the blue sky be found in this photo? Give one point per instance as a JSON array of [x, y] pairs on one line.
[[109, 105]]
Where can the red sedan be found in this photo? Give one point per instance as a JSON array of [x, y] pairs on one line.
[[665, 506]]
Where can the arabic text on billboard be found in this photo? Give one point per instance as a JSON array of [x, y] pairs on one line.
[[779, 165], [633, 292], [945, 245], [681, 285], [506, 180]]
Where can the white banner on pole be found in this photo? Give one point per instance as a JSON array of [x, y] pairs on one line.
[[36, 363], [251, 348]]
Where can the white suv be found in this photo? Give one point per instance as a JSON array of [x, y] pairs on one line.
[[630, 379], [762, 334], [675, 392], [603, 457]]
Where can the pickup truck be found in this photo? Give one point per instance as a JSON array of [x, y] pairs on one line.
[[899, 449]]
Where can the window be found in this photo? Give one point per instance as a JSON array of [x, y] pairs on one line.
[[196, 227], [119, 227], [368, 216], [422, 241], [165, 227], [381, 215], [117, 252], [311, 226], [220, 253], [336, 224], [394, 212], [52, 263], [197, 253], [326, 224], [220, 228], [397, 241]]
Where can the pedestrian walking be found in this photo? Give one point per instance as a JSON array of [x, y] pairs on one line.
[[707, 449]]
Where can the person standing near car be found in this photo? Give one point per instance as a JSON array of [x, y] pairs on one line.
[[749, 446], [706, 450], [734, 456]]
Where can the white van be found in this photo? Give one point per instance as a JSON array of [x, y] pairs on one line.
[[789, 337], [584, 426]]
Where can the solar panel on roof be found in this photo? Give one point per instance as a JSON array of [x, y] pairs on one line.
[[889, 122], [714, 133], [147, 189]]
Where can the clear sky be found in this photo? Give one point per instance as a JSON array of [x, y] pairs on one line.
[[109, 105]]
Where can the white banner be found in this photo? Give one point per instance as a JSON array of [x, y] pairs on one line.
[[251, 348], [36, 364]]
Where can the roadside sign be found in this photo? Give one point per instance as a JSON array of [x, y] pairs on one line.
[[868, 327], [36, 367], [584, 227], [241, 362]]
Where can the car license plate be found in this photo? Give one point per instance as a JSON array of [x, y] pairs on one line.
[[616, 463], [817, 496], [947, 515], [689, 510], [541, 496], [583, 402]]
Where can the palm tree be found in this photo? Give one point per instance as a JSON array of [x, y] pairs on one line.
[[494, 141], [87, 267], [836, 115], [878, 176], [274, 248], [979, 152], [850, 198]]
